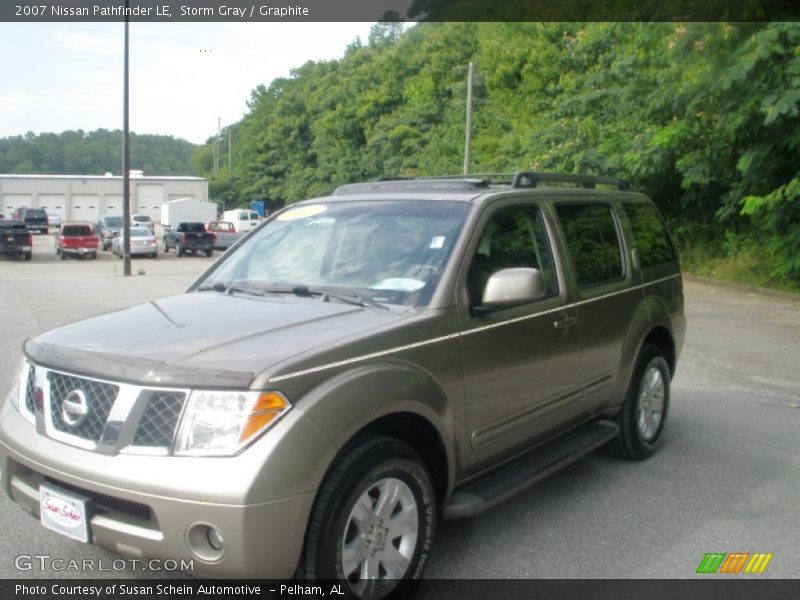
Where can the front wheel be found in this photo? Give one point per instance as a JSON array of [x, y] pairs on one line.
[[373, 520], [644, 413]]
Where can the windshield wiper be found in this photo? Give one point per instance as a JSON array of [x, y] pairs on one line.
[[230, 289], [305, 291]]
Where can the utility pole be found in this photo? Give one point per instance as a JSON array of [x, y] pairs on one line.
[[126, 163], [468, 143]]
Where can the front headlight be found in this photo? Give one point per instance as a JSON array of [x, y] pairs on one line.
[[16, 390], [222, 423]]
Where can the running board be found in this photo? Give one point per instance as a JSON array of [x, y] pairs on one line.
[[522, 473]]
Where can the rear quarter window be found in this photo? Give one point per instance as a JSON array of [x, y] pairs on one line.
[[650, 235]]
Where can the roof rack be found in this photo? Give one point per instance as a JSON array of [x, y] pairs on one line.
[[477, 181], [530, 179], [445, 184]]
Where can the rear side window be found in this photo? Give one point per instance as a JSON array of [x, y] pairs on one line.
[[192, 227], [36, 213], [74, 230], [650, 235], [593, 241]]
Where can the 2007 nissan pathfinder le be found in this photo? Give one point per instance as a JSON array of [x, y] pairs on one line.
[[396, 352]]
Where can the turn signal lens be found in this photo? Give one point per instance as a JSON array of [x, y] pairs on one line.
[[268, 406]]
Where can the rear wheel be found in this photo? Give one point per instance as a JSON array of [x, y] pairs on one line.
[[63, 256], [209, 251], [28, 256], [644, 413], [94, 255], [178, 250], [373, 520]]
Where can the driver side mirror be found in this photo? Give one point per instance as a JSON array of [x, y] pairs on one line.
[[511, 287]]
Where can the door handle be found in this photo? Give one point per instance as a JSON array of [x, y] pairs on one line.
[[564, 323]]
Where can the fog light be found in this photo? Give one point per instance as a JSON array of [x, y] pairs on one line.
[[215, 539]]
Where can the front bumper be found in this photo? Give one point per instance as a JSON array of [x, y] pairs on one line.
[[146, 506]]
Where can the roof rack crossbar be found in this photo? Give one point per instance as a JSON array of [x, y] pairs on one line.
[[526, 179]]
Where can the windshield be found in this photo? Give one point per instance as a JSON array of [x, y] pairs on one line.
[[141, 218], [113, 221], [392, 252]]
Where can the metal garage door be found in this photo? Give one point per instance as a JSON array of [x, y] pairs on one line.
[[85, 207], [148, 200], [113, 205], [11, 202], [54, 204]]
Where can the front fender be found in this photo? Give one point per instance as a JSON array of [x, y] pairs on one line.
[[347, 403]]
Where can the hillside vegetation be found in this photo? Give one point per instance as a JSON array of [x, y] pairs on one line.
[[703, 117], [93, 153]]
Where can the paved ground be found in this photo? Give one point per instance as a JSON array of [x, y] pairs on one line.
[[727, 478]]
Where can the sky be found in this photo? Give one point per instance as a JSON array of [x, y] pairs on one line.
[[183, 76]]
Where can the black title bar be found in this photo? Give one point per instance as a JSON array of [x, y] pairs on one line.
[[397, 10]]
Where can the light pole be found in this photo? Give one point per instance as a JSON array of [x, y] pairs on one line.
[[126, 164]]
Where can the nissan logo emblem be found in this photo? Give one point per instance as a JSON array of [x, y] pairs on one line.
[[74, 408]]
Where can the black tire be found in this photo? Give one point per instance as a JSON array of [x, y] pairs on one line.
[[209, 252], [165, 248], [63, 256], [639, 435], [178, 250], [371, 461], [154, 255], [28, 256], [46, 231], [94, 255]]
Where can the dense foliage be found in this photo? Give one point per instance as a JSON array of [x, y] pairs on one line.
[[701, 116], [93, 153]]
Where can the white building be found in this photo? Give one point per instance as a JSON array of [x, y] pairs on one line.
[[88, 197]]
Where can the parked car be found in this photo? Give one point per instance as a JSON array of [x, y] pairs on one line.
[[225, 233], [143, 243], [243, 219], [188, 237], [53, 219], [106, 228], [2, 217], [35, 219], [359, 367], [142, 220], [77, 239], [15, 239]]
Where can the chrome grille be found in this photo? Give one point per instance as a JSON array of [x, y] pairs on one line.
[[30, 389], [100, 398], [157, 425]]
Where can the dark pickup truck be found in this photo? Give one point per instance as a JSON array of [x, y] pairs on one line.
[[15, 239], [188, 237]]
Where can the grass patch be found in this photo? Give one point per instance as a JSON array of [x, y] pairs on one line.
[[731, 257]]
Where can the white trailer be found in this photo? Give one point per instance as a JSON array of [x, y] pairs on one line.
[[187, 209]]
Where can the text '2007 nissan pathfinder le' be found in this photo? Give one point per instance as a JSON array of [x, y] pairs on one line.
[[395, 353]]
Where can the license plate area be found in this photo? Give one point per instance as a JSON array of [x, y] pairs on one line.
[[65, 512]]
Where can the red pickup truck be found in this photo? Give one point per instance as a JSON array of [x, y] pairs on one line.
[[78, 239]]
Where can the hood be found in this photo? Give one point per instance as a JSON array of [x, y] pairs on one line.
[[203, 339]]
